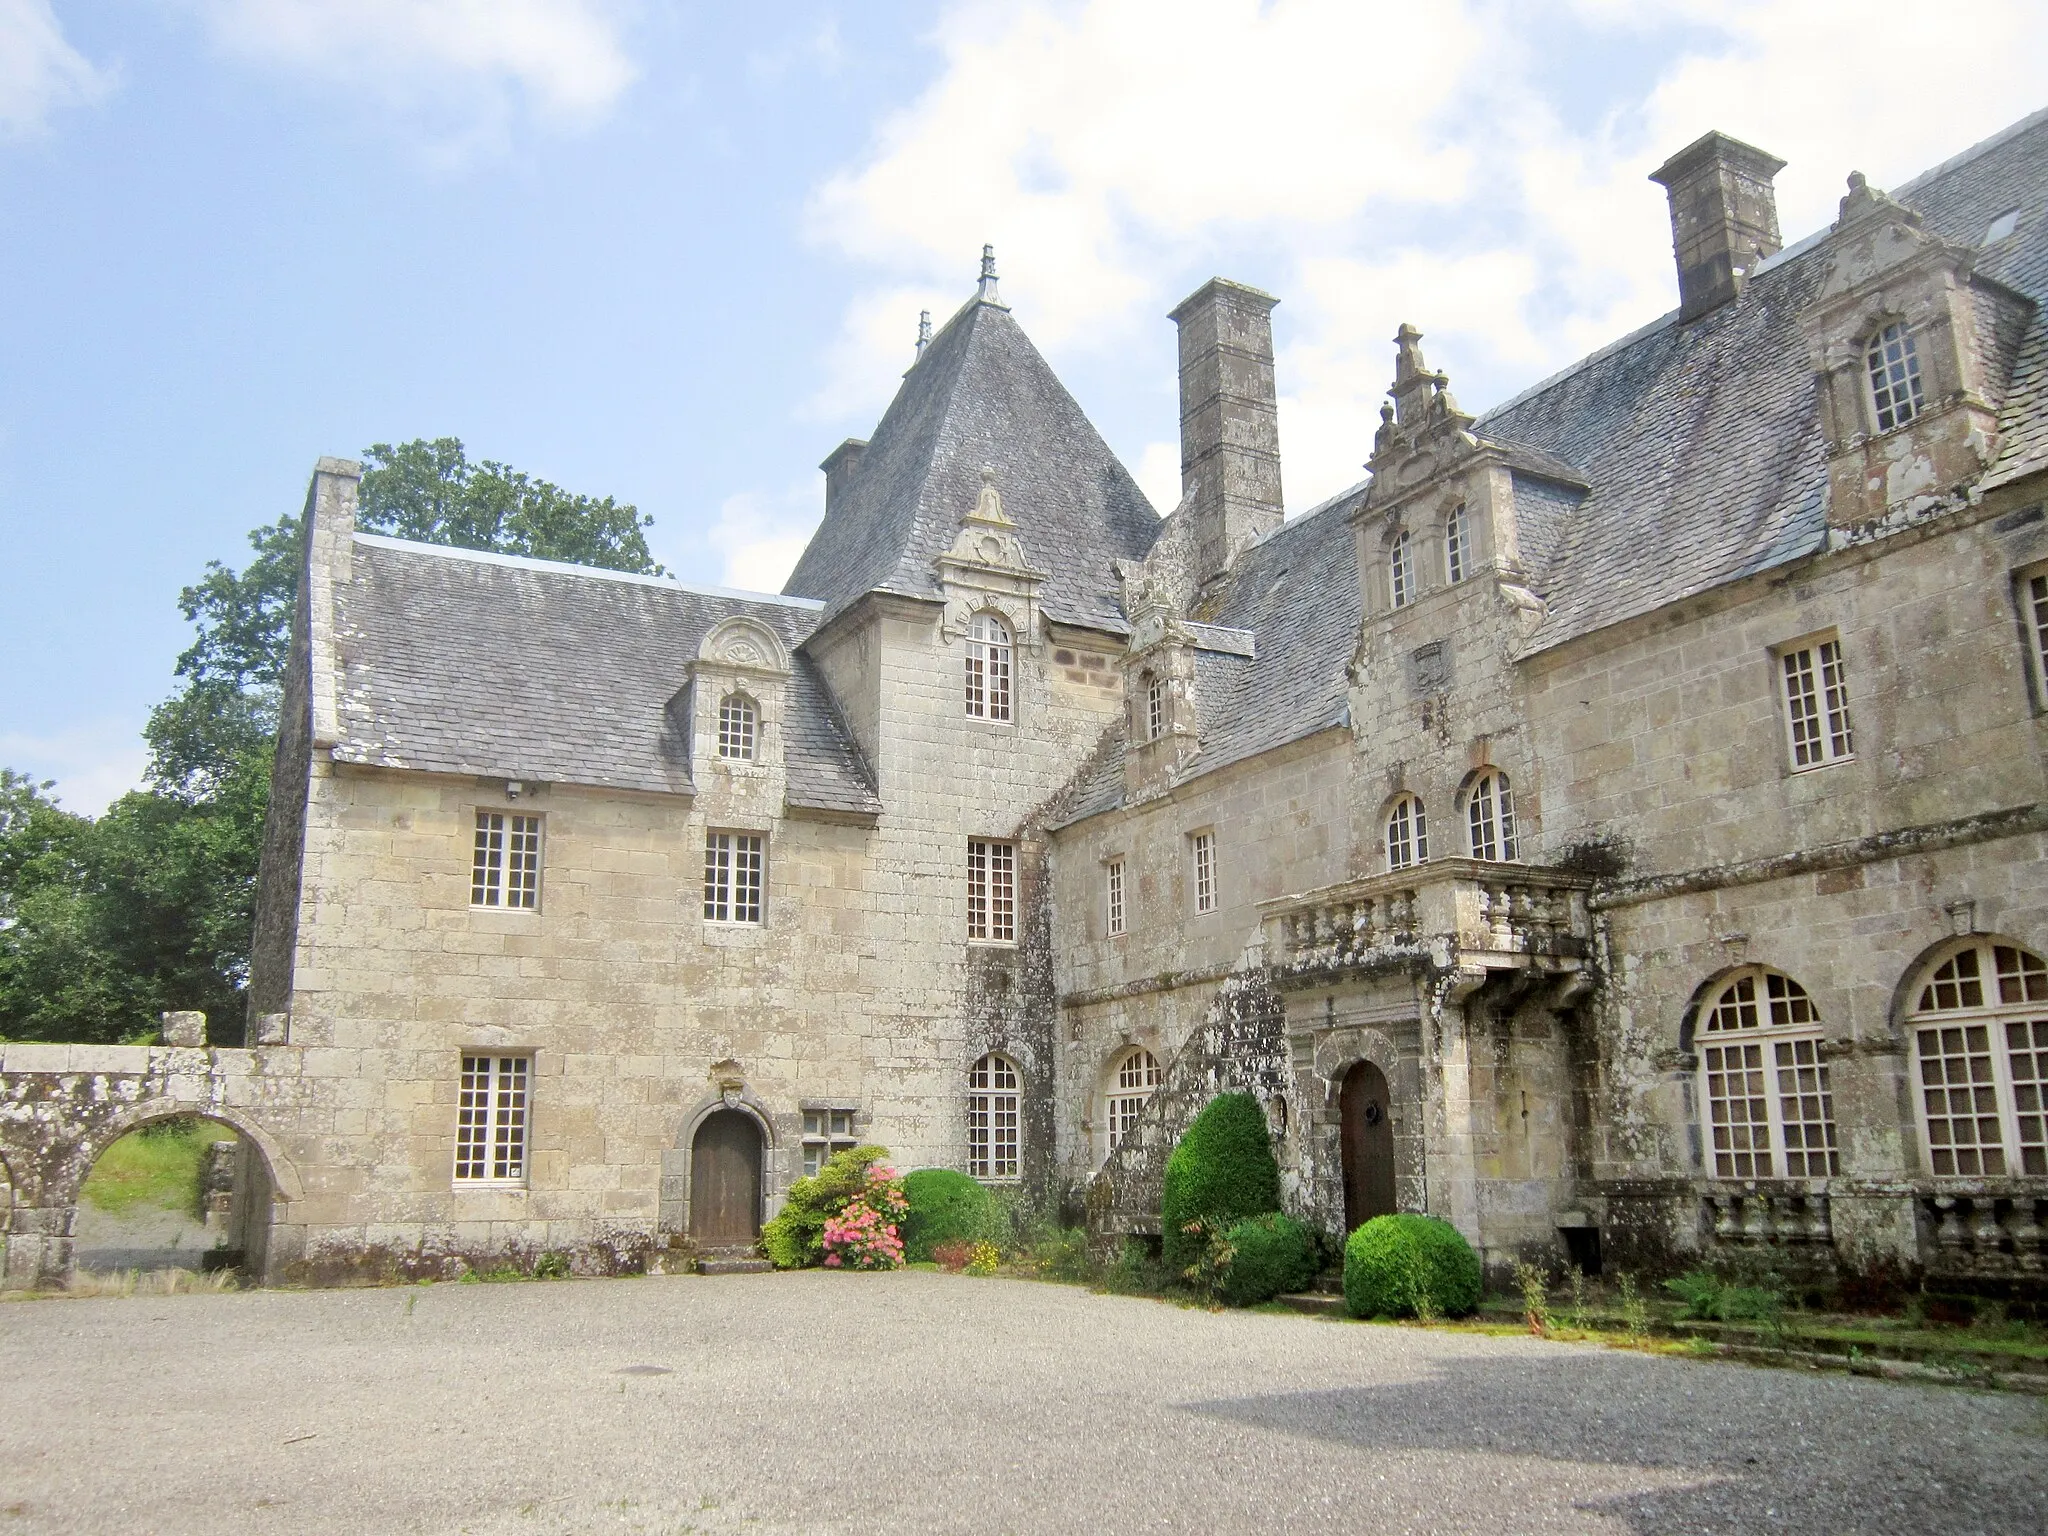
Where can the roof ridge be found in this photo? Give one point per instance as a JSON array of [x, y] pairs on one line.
[[1982, 147], [570, 568]]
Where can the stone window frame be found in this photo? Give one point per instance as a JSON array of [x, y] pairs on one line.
[[830, 1125], [1202, 872], [1763, 1080], [995, 1119], [494, 1119], [1401, 584], [1457, 545], [1134, 1075], [735, 877], [1894, 385], [1115, 898], [1977, 1029], [2030, 591], [1155, 705], [505, 860], [1405, 830], [989, 667], [991, 891], [739, 727], [1812, 685], [1489, 816]]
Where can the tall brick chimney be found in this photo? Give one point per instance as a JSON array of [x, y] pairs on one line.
[[1229, 420], [1724, 218]]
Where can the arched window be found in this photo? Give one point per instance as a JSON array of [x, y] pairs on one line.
[[1980, 1035], [992, 1118], [1401, 569], [1457, 547], [1155, 707], [1407, 834], [988, 668], [1136, 1076], [1490, 817], [1763, 1082], [1894, 363], [737, 723]]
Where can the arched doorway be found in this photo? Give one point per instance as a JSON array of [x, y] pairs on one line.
[[176, 1191], [725, 1180], [1366, 1117]]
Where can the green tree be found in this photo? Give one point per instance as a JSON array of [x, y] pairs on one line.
[[104, 924]]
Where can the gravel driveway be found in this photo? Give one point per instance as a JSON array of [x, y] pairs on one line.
[[924, 1402]]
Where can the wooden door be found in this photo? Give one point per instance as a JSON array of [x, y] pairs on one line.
[[725, 1180], [1368, 1145]]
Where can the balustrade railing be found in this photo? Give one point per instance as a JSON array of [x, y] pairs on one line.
[[1495, 913], [1983, 1233], [1760, 1217]]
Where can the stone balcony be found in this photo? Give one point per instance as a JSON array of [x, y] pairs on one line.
[[1457, 914]]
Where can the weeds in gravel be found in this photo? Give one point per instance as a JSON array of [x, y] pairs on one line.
[[150, 1282], [1535, 1298]]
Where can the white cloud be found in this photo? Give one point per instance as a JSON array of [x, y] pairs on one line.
[[760, 534], [93, 764], [1158, 475], [39, 70], [1374, 163], [460, 68]]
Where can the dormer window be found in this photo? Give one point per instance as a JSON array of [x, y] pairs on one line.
[[738, 727], [988, 668], [1401, 569], [1457, 546], [1894, 364], [1155, 707], [1490, 817]]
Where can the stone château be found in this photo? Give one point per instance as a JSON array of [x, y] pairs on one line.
[[1617, 825]]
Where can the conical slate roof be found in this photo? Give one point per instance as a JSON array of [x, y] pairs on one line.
[[980, 394]]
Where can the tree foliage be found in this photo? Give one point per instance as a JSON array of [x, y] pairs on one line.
[[106, 923]]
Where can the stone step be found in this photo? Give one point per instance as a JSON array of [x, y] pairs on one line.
[[734, 1266], [1314, 1303]]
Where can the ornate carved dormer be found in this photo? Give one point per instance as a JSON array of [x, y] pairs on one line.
[[1900, 337], [732, 710], [1159, 693], [1440, 511], [985, 571]]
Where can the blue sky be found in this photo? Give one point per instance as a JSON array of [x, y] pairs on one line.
[[675, 252]]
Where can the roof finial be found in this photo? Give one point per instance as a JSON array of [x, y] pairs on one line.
[[924, 330], [987, 294]]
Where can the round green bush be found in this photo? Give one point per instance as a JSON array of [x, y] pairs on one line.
[[944, 1207], [1272, 1254], [1221, 1171], [1392, 1262]]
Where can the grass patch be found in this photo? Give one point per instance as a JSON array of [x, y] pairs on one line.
[[158, 1165]]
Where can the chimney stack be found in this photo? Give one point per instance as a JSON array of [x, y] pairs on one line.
[[1229, 421], [1724, 218], [839, 466]]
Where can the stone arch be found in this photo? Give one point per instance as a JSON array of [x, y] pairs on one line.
[[1923, 965], [1340, 1050], [744, 642], [673, 1211]]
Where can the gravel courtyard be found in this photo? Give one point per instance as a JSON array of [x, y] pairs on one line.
[[924, 1402]]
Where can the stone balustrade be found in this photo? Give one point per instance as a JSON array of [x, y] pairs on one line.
[[1759, 1217], [1985, 1233], [1478, 913]]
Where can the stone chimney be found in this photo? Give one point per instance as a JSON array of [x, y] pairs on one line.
[[1724, 218], [1229, 421], [839, 467]]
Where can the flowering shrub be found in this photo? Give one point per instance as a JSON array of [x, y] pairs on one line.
[[796, 1237], [983, 1258], [863, 1235], [953, 1254]]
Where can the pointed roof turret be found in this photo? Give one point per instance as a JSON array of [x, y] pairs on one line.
[[981, 397]]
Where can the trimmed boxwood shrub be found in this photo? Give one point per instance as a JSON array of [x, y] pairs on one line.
[[1221, 1171], [1270, 1255], [944, 1207], [1392, 1261]]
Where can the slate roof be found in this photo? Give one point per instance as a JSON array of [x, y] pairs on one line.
[[458, 662], [980, 394], [1296, 592], [1702, 443]]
